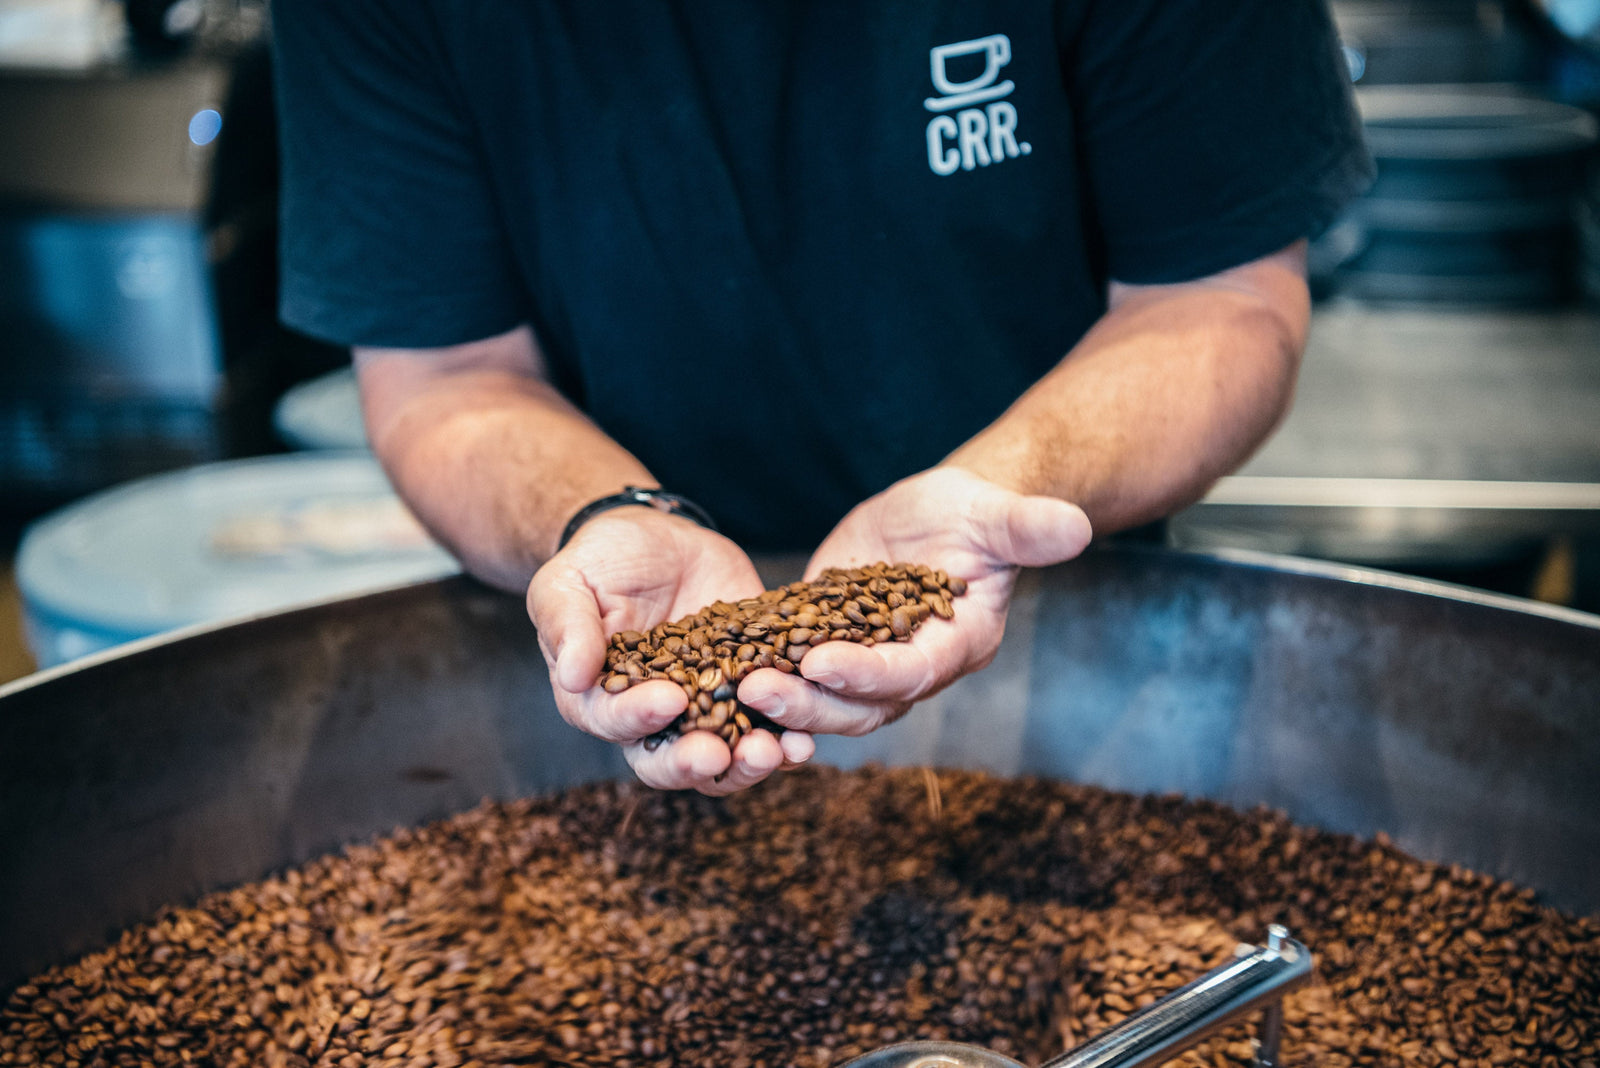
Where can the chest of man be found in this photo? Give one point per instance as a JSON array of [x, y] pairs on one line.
[[726, 146], [767, 204]]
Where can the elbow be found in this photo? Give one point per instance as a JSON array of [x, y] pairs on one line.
[[1281, 334], [1287, 328], [1254, 371], [1270, 335]]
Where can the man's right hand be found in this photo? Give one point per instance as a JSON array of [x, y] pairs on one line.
[[629, 569]]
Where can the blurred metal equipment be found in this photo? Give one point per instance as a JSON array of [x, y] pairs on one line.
[[1408, 42], [1461, 724], [1257, 977], [1475, 198], [933, 1055], [324, 413], [1589, 237], [1424, 438], [137, 247], [110, 362], [215, 542], [1578, 20]]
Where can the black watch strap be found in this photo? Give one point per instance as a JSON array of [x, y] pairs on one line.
[[660, 500]]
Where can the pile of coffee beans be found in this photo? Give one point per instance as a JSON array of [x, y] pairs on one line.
[[813, 919], [710, 652]]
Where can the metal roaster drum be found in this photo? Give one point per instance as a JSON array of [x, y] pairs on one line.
[[1463, 725]]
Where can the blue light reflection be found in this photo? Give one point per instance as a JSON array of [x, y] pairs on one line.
[[204, 126], [1357, 61]]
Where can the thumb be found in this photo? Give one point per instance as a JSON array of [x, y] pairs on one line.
[[1029, 531], [567, 618]]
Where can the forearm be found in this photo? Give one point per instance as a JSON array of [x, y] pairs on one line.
[[1172, 389], [491, 458]]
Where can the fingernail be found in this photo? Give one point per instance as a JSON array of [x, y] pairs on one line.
[[772, 705], [824, 678]]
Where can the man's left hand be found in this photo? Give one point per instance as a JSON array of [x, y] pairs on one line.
[[950, 520]]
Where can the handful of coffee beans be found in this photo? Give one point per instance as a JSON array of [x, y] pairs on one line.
[[710, 652]]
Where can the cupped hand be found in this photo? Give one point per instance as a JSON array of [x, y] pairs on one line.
[[629, 569], [951, 520]]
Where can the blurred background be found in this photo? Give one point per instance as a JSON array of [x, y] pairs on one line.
[[170, 455]]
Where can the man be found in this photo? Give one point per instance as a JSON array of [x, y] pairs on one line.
[[943, 282]]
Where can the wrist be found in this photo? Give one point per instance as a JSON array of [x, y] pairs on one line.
[[633, 497], [1009, 465]]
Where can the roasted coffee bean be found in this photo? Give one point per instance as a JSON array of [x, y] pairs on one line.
[[811, 920], [901, 621], [776, 629]]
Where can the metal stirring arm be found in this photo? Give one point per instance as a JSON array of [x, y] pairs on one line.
[[1258, 978]]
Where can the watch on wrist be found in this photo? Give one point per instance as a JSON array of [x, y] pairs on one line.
[[659, 499]]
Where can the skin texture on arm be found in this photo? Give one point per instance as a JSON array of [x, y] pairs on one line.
[[495, 461], [491, 457], [1174, 387]]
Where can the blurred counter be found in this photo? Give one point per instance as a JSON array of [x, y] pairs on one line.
[[1424, 437]]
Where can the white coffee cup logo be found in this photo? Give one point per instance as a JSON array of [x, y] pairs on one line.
[[983, 129], [996, 50]]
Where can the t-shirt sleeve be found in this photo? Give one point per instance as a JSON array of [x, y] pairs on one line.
[[1212, 132], [390, 233]]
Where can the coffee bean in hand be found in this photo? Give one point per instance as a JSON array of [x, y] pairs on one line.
[[709, 653]]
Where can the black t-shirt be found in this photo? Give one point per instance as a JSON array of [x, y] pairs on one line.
[[789, 251]]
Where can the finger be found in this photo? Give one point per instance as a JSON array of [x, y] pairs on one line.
[[687, 762], [798, 747], [889, 671], [796, 704], [1030, 531], [567, 618], [757, 755], [635, 713]]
